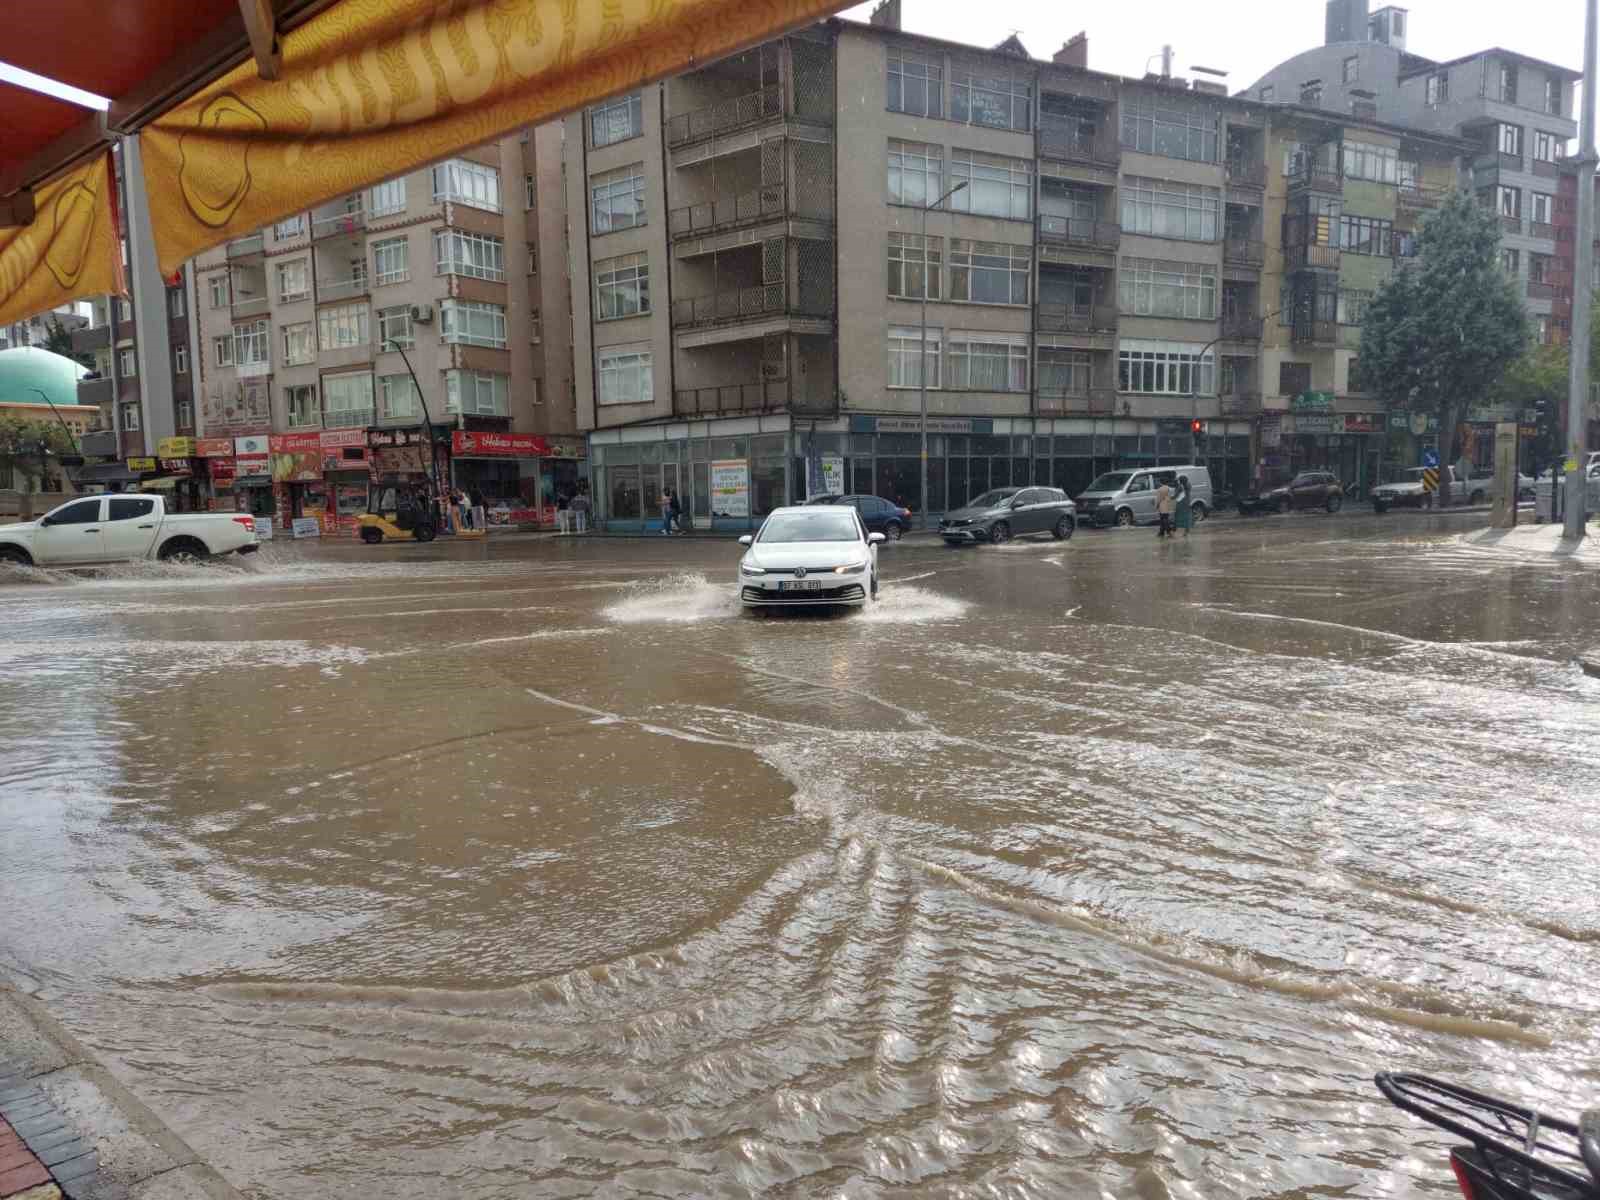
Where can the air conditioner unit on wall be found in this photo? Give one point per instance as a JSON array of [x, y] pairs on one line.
[[422, 314]]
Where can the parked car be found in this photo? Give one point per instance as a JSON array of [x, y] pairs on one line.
[[1407, 491], [119, 528], [809, 555], [998, 516], [1128, 497], [1309, 489], [877, 514]]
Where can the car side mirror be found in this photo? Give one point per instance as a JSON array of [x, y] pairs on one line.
[[747, 539], [46, 521], [876, 539], [1016, 504]]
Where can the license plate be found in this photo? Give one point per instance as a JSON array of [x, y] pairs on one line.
[[800, 585]]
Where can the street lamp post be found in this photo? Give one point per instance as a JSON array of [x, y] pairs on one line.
[[71, 439], [427, 419], [922, 350]]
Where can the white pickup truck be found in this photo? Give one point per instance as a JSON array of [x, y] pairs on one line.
[[119, 528]]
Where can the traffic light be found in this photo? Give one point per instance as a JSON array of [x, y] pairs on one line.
[[1197, 432]]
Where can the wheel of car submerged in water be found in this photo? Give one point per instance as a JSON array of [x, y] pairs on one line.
[[1063, 529], [371, 536], [1000, 533], [1199, 511], [12, 556], [1125, 517], [892, 531]]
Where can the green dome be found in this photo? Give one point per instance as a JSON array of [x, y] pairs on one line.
[[28, 367]]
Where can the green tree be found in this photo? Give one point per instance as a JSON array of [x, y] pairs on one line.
[[26, 446], [1440, 333], [58, 341]]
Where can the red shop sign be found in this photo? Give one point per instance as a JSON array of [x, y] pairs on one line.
[[470, 442], [337, 439], [214, 448], [296, 443], [222, 469], [1363, 423]]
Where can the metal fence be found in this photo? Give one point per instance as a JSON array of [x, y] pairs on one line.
[[727, 212], [1244, 252], [1068, 318], [1079, 231], [1094, 401], [725, 116], [735, 304], [760, 396], [1071, 142]]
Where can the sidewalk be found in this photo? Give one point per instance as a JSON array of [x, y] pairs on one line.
[[68, 1129]]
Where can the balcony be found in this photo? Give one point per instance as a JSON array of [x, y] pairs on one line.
[[1315, 177], [90, 339], [1542, 229], [246, 247], [1243, 174], [1314, 257], [1545, 168], [1414, 199], [1072, 318], [305, 420], [1510, 224], [1244, 252], [341, 289], [1240, 404], [728, 212], [1079, 231], [1094, 401], [347, 418], [763, 396], [95, 391], [1237, 327], [1070, 142], [1538, 290], [250, 306], [1315, 333], [346, 224], [725, 116], [736, 304]]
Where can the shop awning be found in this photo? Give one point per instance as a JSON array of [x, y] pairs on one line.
[[105, 473], [250, 110]]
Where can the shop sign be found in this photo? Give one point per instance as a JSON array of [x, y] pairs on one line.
[[304, 527], [222, 469], [254, 464], [832, 474], [469, 443], [296, 458], [1312, 402], [213, 447], [1528, 431], [1422, 423], [914, 425], [254, 446], [395, 437], [141, 464], [400, 460], [175, 447], [335, 439], [1363, 423], [1399, 420], [175, 466], [263, 529], [344, 450], [568, 450], [1315, 424], [730, 488]]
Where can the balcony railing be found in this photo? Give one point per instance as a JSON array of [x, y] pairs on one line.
[[728, 212], [341, 289], [1240, 404], [1541, 291], [1326, 257], [1420, 199], [725, 116], [1511, 224], [250, 306], [1316, 177], [1542, 229], [736, 304], [1315, 333], [1243, 252], [1086, 401], [246, 247], [305, 420], [1545, 168], [347, 418], [345, 223], [733, 397], [1070, 318], [95, 391], [1246, 174], [1073, 143], [1079, 231], [1239, 328]]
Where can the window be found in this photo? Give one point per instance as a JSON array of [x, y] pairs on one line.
[[536, 328], [989, 272], [1546, 146], [387, 198], [87, 512], [469, 183], [1150, 288], [1064, 370], [391, 260], [222, 350], [615, 121], [904, 344], [180, 360], [126, 508], [1511, 140], [394, 327], [624, 375], [124, 310], [340, 326], [1175, 210], [1293, 378], [993, 101], [1164, 368], [291, 228], [218, 286], [250, 348], [128, 362], [529, 191], [988, 362], [1541, 329], [1311, 93], [1541, 268], [175, 302], [399, 396], [1552, 96], [347, 399], [301, 403], [533, 260], [1153, 125], [1542, 206], [472, 323], [916, 172], [1352, 69], [293, 281], [298, 346], [474, 254], [1508, 201], [616, 199], [1266, 94], [1437, 89], [916, 85], [914, 266], [1352, 307], [996, 186], [1511, 262], [1508, 83], [622, 286], [1363, 160], [130, 424], [485, 393], [1364, 235]]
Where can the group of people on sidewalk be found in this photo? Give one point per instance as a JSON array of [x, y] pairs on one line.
[[1174, 510], [671, 513], [470, 510], [572, 511]]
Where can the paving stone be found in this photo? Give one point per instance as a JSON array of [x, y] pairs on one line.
[[10, 1160], [45, 1191], [21, 1110], [60, 1153], [45, 1141], [44, 1123], [18, 1092], [21, 1178], [76, 1168]]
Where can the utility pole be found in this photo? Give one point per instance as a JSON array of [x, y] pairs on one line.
[[922, 350], [1578, 380]]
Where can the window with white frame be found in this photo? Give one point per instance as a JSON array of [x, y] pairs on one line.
[[399, 396], [347, 399], [1437, 89], [916, 172], [1547, 146], [298, 344], [1508, 201], [529, 191], [1541, 208], [1351, 307], [472, 323], [1511, 140], [184, 414], [1363, 160], [622, 286], [391, 260], [469, 183], [222, 350], [1352, 69], [218, 287], [128, 362], [616, 199], [1169, 127], [1064, 370], [294, 282], [180, 360], [987, 362], [387, 198], [1552, 96], [1174, 210], [301, 404], [340, 326], [175, 305], [615, 121], [291, 228], [484, 393], [1149, 287], [394, 327], [474, 254], [905, 349], [916, 85], [997, 186], [536, 327], [130, 416], [624, 375], [251, 344], [1158, 368], [989, 272], [914, 266], [996, 101]]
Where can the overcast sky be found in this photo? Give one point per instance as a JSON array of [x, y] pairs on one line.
[[1246, 38]]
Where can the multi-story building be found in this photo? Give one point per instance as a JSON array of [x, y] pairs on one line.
[[331, 343], [1514, 110], [35, 330]]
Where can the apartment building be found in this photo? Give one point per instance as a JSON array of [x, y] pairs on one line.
[[1515, 111], [331, 343]]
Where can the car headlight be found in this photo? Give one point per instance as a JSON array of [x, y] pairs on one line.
[[850, 569], [747, 569]]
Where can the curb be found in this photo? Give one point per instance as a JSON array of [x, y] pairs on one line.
[[69, 1129]]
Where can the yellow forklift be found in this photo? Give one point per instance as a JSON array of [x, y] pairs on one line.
[[397, 514]]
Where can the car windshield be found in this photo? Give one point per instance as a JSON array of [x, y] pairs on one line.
[[1111, 481], [992, 499], [824, 525]]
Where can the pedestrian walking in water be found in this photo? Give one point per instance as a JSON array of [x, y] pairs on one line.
[[579, 506], [677, 509], [1185, 507], [1164, 507]]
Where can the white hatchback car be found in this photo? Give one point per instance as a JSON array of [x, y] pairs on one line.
[[811, 555]]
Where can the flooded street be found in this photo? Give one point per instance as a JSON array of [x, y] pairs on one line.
[[1097, 868]]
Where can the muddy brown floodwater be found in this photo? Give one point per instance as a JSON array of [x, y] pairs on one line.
[[1090, 869]]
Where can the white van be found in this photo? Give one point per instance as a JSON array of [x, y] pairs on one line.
[[1128, 497]]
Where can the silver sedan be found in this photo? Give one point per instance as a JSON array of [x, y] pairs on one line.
[[806, 556]]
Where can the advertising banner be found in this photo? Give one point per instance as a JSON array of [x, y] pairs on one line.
[[141, 464], [730, 488], [304, 527], [400, 460], [175, 466], [832, 475], [296, 458], [175, 447], [472, 443], [222, 469], [243, 406], [213, 448], [1271, 429], [1363, 423]]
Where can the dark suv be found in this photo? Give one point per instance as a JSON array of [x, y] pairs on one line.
[[1309, 489], [877, 514]]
